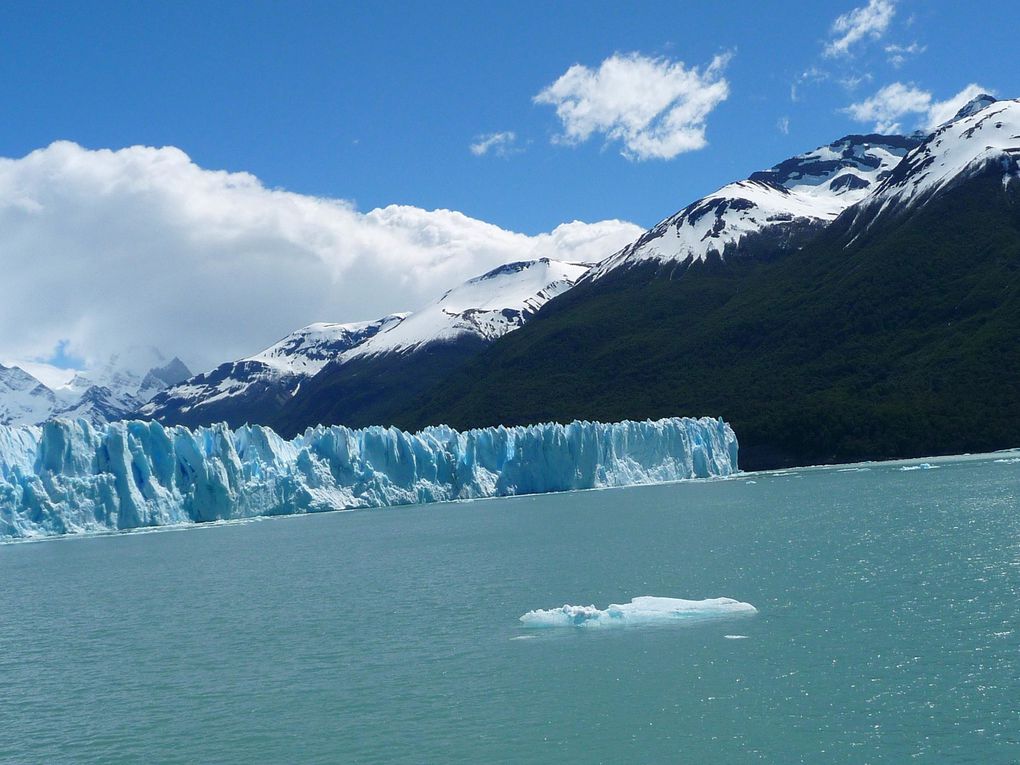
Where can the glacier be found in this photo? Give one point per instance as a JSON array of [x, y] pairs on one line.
[[70, 477]]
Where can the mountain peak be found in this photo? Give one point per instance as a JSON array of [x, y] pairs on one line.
[[23, 399], [975, 105]]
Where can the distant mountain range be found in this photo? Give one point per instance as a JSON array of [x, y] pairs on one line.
[[860, 300], [112, 391]]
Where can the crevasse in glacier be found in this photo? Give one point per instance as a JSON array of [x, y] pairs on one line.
[[69, 477]]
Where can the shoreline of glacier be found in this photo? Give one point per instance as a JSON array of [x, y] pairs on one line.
[[69, 479]]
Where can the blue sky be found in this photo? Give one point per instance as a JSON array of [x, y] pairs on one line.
[[207, 177], [381, 105]]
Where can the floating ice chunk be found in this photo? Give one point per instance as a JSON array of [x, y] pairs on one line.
[[735, 637], [642, 611], [1011, 461], [922, 466]]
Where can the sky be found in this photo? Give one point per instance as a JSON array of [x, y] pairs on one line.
[[206, 177]]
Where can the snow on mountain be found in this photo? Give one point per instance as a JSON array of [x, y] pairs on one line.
[[270, 375], [310, 348], [483, 308], [984, 135], [801, 194], [486, 307], [160, 378], [135, 373], [23, 399], [115, 389], [103, 394], [972, 107], [99, 405]]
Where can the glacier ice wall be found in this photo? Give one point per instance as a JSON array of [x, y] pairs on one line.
[[70, 477]]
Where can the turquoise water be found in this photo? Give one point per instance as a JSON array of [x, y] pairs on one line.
[[888, 629]]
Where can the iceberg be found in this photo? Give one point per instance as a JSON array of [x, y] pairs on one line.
[[70, 477], [643, 611]]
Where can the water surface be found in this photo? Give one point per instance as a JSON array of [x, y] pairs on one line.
[[888, 629]]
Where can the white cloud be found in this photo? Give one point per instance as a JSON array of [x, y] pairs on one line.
[[501, 144], [654, 107], [898, 54], [869, 21], [895, 101], [783, 125], [108, 249], [889, 105]]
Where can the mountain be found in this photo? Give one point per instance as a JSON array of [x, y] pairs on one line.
[[247, 390], [23, 399], [117, 388], [366, 382], [983, 138], [773, 211], [891, 331], [484, 308], [103, 394], [340, 373]]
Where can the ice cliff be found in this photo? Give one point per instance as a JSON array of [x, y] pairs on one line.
[[70, 477]]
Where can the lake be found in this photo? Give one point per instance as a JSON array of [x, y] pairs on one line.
[[888, 629]]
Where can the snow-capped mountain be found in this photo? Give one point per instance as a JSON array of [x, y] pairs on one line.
[[120, 386], [984, 135], [23, 399], [310, 348], [779, 206], [237, 390], [99, 405], [371, 382], [103, 394], [486, 307], [301, 367]]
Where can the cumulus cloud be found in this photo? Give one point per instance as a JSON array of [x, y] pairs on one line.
[[108, 249], [889, 105], [654, 107], [892, 103], [869, 21], [501, 144]]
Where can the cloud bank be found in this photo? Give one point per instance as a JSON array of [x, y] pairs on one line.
[[108, 249], [654, 107]]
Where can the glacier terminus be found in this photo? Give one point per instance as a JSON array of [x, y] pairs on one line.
[[70, 477]]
